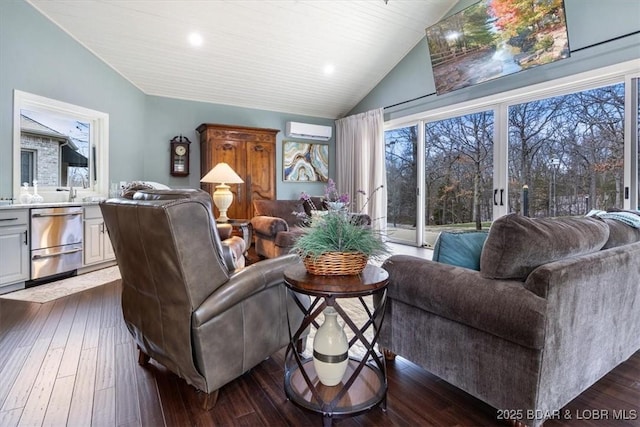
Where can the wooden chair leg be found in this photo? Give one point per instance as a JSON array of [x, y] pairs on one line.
[[143, 358], [209, 400], [388, 354]]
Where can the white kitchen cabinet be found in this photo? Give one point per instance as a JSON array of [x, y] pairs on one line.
[[14, 249], [97, 245]]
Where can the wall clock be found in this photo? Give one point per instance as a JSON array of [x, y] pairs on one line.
[[179, 156]]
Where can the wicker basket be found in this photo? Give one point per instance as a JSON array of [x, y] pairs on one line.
[[336, 264]]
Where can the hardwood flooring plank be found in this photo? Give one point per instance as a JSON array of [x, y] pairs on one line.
[[8, 346], [175, 413], [60, 402], [10, 418], [50, 326], [105, 371], [11, 371], [36, 325], [16, 315], [149, 401], [269, 375], [111, 307], [72, 350], [21, 388], [127, 410], [61, 334], [38, 401], [82, 402], [94, 318], [104, 408]]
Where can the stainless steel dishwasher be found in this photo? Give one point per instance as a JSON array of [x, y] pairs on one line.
[[56, 241]]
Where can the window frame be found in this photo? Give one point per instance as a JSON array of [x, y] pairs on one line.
[[624, 72], [99, 138]]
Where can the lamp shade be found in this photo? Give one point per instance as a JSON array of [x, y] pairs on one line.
[[223, 174]]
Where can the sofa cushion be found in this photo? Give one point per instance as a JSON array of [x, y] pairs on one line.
[[285, 209], [516, 244], [461, 248], [620, 233]]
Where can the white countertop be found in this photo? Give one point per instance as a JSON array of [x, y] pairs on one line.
[[48, 205]]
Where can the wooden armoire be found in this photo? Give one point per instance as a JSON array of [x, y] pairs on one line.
[[251, 153]]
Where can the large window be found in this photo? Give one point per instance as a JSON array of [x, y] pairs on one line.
[[558, 148], [566, 153], [59, 145]]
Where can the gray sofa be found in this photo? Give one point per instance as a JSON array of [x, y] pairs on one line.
[[554, 307]]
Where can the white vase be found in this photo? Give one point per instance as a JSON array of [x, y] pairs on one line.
[[330, 349]]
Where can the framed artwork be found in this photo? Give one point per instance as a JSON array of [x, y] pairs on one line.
[[304, 162]]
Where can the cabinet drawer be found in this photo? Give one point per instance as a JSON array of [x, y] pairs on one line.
[[91, 212], [14, 217]]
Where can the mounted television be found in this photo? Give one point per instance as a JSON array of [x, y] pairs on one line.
[[495, 38]]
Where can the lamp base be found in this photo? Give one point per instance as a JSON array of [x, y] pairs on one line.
[[222, 198]]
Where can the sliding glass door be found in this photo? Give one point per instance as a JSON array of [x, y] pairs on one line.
[[402, 177], [556, 149]]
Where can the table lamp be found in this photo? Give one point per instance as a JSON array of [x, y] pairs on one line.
[[222, 197]]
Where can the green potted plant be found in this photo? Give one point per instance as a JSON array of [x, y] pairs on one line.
[[337, 243]]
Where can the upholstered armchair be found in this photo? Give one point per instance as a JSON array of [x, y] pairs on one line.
[[182, 304], [277, 224]]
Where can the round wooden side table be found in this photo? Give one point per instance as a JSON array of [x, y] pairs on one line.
[[364, 385]]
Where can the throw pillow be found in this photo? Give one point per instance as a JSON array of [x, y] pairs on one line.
[[461, 248]]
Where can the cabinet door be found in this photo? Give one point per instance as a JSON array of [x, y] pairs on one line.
[[108, 248], [14, 247], [234, 154], [261, 177], [93, 240]]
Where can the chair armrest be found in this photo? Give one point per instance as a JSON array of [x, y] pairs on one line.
[[504, 308], [268, 225], [224, 230], [246, 282], [233, 250]]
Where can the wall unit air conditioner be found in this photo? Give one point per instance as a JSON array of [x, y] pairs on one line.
[[308, 131]]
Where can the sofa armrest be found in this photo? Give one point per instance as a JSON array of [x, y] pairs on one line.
[[268, 225], [246, 282], [504, 308]]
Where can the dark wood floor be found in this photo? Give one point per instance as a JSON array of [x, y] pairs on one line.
[[72, 362]]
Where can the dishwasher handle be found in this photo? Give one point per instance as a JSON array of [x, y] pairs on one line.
[[71, 251], [44, 215]]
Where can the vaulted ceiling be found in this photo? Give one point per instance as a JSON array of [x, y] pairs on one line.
[[309, 57]]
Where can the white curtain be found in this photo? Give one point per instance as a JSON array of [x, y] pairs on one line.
[[360, 160]]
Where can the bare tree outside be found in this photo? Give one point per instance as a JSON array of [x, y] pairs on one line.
[[569, 151]]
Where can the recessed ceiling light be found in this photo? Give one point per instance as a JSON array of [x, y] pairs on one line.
[[195, 39], [329, 69]]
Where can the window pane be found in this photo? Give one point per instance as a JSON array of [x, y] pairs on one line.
[[27, 166], [566, 153], [459, 171], [59, 146], [402, 172]]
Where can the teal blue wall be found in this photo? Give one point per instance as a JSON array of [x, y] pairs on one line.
[[589, 22], [39, 58], [167, 118]]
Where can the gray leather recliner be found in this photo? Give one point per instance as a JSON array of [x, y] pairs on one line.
[[182, 305]]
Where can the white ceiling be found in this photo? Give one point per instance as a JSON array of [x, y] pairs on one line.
[[267, 54]]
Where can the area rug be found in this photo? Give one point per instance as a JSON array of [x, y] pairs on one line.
[[62, 288]]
